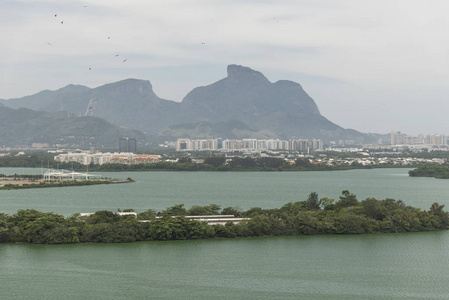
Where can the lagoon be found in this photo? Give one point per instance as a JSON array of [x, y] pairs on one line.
[[159, 190], [377, 266], [359, 267]]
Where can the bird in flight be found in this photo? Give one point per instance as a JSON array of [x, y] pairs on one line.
[[62, 22], [56, 15], [125, 60], [90, 68], [109, 37], [49, 44], [116, 55]]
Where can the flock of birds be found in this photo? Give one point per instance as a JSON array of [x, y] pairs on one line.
[[109, 37], [117, 55]]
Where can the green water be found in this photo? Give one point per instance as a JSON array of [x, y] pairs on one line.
[[382, 266], [388, 266], [159, 190]]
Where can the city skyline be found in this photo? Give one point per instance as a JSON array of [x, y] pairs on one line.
[[397, 138], [370, 66]]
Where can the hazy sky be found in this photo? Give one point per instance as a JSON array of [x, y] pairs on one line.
[[374, 66]]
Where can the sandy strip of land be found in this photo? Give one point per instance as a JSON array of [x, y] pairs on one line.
[[20, 181]]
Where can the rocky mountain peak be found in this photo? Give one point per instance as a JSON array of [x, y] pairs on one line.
[[73, 88], [129, 85], [282, 108], [245, 73]]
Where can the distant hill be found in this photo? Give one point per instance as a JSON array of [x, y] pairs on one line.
[[263, 108], [46, 100], [248, 96], [131, 103], [24, 127]]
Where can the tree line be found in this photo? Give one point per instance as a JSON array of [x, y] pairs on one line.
[[314, 215], [220, 163], [437, 171], [211, 163]]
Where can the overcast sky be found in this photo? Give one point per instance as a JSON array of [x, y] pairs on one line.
[[374, 66]]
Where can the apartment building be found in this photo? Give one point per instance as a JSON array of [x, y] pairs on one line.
[[231, 145]]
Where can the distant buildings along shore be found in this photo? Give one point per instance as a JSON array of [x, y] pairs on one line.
[[228, 145], [99, 158], [398, 138]]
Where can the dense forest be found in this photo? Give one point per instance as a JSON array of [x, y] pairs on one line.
[[314, 215], [437, 171]]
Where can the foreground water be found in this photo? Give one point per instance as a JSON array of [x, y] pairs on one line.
[[382, 266], [387, 266]]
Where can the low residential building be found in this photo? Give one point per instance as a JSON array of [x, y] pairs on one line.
[[98, 158]]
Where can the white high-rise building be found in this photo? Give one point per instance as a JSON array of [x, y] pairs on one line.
[[183, 144]]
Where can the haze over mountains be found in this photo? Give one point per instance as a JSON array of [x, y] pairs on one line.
[[25, 126], [245, 104]]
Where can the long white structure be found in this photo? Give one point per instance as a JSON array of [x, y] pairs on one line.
[[64, 174], [99, 158], [212, 219]]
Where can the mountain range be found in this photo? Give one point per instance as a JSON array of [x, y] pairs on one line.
[[245, 104], [22, 127]]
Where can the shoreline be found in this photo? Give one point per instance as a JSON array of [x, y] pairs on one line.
[[26, 183], [208, 168], [314, 216]]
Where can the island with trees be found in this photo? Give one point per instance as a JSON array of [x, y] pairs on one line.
[[436, 171], [312, 216]]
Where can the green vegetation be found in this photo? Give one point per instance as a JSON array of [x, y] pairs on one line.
[[437, 171], [185, 163], [236, 164], [24, 126], [32, 160], [348, 215], [432, 154]]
